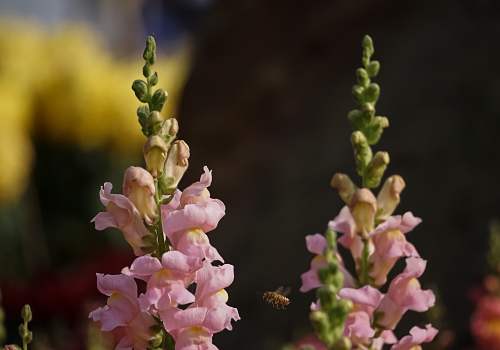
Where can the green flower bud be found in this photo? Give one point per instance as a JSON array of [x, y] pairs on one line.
[[142, 113], [141, 90], [26, 313], [319, 319], [374, 130], [357, 93], [149, 240], [148, 249], [151, 58], [362, 77], [343, 343], [376, 168], [368, 111], [154, 122], [158, 100], [356, 119], [328, 296], [373, 68], [368, 51], [362, 152], [153, 80], [146, 70], [150, 44], [23, 331], [331, 239], [156, 342], [372, 92], [156, 329]]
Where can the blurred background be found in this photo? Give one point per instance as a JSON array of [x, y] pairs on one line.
[[262, 91]]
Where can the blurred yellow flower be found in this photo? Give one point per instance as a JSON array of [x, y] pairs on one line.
[[64, 87]]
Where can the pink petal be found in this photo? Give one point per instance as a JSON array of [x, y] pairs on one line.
[[316, 243], [175, 318], [109, 284], [122, 310], [409, 222], [390, 224], [344, 223], [172, 206], [196, 189], [177, 262], [361, 325], [217, 319], [211, 279], [143, 267], [127, 343], [367, 296], [310, 281], [417, 336], [194, 339]]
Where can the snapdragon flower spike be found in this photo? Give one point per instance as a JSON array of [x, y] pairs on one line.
[[390, 244], [139, 188], [122, 310], [186, 228], [317, 244], [417, 336], [344, 223], [358, 324], [404, 294], [122, 214], [165, 280]]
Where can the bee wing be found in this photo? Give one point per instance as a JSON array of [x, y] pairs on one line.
[[278, 291], [285, 291]]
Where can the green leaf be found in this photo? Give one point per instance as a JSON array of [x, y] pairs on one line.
[[148, 249], [149, 239]]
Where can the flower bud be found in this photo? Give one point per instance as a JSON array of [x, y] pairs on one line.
[[388, 197], [331, 239], [154, 122], [158, 100], [357, 93], [362, 152], [343, 343], [363, 207], [362, 77], [345, 186], [26, 313], [155, 152], [376, 168], [23, 331], [367, 45], [153, 80], [177, 161], [328, 295], [169, 130], [150, 44], [141, 90], [375, 129], [372, 93], [146, 70], [139, 188], [356, 119], [373, 68], [142, 113], [368, 111]]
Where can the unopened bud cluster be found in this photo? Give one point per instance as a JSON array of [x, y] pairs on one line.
[[329, 321], [367, 127], [24, 332]]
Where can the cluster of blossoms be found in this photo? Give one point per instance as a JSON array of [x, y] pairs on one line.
[[167, 229], [350, 312]]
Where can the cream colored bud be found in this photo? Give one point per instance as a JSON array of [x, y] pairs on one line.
[[139, 188], [155, 152], [177, 161], [380, 159], [388, 197], [345, 186], [363, 207], [170, 127]]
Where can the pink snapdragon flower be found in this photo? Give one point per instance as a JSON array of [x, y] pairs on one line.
[[417, 336], [405, 294], [166, 280], [344, 223], [317, 244], [139, 188], [193, 328], [390, 244], [122, 310], [122, 214], [358, 324], [198, 214]]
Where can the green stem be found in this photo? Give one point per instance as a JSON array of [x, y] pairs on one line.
[[365, 258], [25, 343], [159, 228]]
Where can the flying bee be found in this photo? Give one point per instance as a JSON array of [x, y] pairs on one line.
[[278, 298]]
